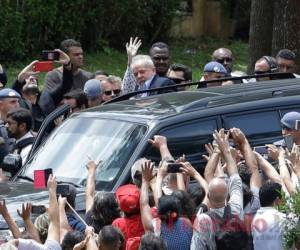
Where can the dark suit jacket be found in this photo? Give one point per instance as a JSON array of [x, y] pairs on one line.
[[158, 82]]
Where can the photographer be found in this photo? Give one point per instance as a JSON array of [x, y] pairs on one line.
[[42, 104]]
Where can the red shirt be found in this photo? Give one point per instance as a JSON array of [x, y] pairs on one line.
[[130, 226]]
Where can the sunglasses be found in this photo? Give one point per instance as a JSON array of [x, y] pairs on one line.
[[111, 92], [225, 59], [177, 80]]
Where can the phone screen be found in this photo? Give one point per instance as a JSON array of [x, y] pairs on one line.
[[50, 55], [63, 190], [174, 168]]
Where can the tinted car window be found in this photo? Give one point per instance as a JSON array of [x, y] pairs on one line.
[[67, 149], [188, 138], [256, 125]]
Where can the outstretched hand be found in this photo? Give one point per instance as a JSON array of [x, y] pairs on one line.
[[221, 139], [238, 137], [147, 171], [26, 211], [132, 48], [158, 141]]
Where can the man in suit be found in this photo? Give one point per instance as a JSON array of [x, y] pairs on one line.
[[145, 74]]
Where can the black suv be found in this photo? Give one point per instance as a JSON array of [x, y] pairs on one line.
[[117, 133]]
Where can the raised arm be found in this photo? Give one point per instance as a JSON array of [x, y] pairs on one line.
[[251, 162], [9, 220], [161, 174], [268, 169], [284, 172], [63, 220], [53, 211], [144, 196], [90, 185], [25, 215], [129, 81], [192, 172], [160, 143], [212, 162]]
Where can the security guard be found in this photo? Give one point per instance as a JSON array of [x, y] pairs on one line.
[[9, 99]]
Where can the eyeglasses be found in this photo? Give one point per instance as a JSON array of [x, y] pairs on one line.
[[111, 92], [177, 80], [225, 59]]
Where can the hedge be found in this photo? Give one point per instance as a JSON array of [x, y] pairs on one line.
[[29, 26]]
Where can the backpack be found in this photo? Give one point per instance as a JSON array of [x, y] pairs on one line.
[[228, 228]]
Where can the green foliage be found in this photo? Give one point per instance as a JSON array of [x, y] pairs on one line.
[[291, 207], [28, 26]]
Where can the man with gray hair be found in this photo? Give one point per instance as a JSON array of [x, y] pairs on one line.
[[141, 73], [145, 73]]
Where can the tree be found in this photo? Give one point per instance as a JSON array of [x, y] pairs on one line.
[[261, 30], [274, 25]]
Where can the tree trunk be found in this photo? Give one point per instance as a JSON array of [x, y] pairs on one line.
[[291, 28], [261, 29], [280, 7]]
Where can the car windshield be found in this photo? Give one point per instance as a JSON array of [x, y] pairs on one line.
[[68, 148]]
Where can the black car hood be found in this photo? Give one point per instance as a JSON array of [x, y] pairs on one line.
[[16, 193]]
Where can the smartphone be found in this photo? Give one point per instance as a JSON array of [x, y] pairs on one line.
[[289, 142], [41, 178], [174, 168], [38, 209], [43, 66], [262, 150], [63, 190], [50, 55]]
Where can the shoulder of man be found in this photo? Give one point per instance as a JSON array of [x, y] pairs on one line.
[[86, 73]]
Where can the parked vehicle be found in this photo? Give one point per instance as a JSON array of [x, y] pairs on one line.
[[118, 134]]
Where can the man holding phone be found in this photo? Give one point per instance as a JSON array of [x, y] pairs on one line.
[[290, 130], [74, 50]]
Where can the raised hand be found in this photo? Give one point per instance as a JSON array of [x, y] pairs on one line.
[[63, 57], [132, 48], [238, 137], [158, 141], [52, 183], [221, 139], [92, 165], [27, 71], [188, 169], [82, 244], [147, 171], [26, 211]]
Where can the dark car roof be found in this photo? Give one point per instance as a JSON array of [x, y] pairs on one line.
[[178, 102]]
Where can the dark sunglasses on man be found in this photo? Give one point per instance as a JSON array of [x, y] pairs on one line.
[[112, 92], [225, 59], [261, 72], [177, 80]]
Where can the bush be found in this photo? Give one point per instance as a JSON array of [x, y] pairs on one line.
[[28, 26]]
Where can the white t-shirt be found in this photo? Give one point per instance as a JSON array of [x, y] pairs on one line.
[[267, 229]]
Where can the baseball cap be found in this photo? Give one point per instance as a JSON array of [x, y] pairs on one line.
[[215, 67], [92, 88], [289, 119], [128, 197], [9, 93]]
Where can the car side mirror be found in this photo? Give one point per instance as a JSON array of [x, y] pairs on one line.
[[12, 163]]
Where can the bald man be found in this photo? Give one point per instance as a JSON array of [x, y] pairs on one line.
[[218, 191], [225, 57]]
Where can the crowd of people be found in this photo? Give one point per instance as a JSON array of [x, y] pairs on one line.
[[232, 205]]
